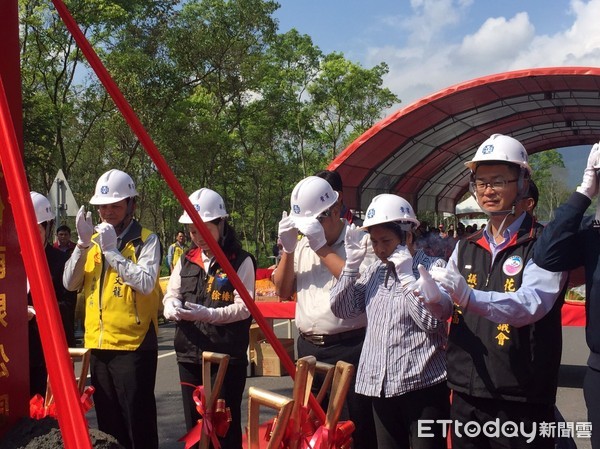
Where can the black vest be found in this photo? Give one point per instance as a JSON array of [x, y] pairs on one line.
[[212, 289], [491, 360]]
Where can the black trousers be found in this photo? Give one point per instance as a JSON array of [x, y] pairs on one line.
[[397, 419], [467, 408], [591, 393], [232, 391], [359, 407], [124, 397]]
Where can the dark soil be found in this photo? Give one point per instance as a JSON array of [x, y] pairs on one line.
[[45, 434]]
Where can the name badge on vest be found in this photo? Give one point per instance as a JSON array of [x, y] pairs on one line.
[[512, 266]]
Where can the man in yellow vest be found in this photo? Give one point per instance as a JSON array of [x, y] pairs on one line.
[[176, 250], [117, 264]]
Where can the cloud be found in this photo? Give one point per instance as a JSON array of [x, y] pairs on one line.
[[431, 59], [495, 42]]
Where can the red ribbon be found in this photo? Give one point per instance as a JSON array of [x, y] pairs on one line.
[[214, 423], [340, 438], [313, 435], [86, 399], [38, 410]]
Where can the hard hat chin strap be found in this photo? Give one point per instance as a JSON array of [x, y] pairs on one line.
[[501, 227], [48, 230], [496, 213]]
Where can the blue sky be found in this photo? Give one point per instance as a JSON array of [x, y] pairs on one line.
[[432, 44]]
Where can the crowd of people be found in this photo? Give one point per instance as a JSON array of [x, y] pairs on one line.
[[422, 312]]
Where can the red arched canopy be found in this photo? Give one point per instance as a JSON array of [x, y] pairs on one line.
[[418, 152]]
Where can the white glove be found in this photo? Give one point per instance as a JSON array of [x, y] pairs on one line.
[[453, 282], [313, 231], [287, 233], [107, 237], [171, 310], [403, 261], [425, 288], [356, 247], [589, 183], [194, 312], [435, 300], [84, 226], [30, 313]]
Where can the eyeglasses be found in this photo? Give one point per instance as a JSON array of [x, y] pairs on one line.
[[323, 215], [497, 185]]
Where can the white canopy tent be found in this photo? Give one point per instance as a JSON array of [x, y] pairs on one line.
[[468, 212], [468, 207]]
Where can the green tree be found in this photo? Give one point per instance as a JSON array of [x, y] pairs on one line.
[[548, 172], [347, 99], [231, 104]]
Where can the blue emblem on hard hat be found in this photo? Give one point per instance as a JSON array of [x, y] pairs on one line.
[[197, 207], [104, 190], [370, 213], [487, 149], [296, 209]]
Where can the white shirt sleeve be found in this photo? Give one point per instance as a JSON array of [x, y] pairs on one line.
[[74, 269], [236, 311], [535, 298], [174, 285], [141, 275]]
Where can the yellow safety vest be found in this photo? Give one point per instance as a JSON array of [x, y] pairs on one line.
[[116, 316]]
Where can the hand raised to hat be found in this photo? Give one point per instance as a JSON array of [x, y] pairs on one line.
[[84, 226], [107, 237], [589, 183], [313, 231], [402, 260], [356, 247], [287, 233]]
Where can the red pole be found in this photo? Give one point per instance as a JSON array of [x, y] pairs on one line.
[[164, 169], [72, 421], [14, 365]]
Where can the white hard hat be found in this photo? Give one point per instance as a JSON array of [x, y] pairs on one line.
[[112, 187], [500, 148], [388, 207], [311, 196], [209, 205], [42, 207]]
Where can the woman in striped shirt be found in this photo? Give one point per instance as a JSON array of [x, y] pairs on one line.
[[402, 365]]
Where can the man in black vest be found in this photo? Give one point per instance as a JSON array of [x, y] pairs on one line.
[[570, 241], [505, 338]]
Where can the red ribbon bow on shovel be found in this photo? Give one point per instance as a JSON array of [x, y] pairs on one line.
[[214, 423]]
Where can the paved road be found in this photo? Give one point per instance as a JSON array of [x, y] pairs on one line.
[[172, 426], [569, 398]]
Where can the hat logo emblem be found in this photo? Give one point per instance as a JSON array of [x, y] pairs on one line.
[[370, 213], [487, 149], [104, 190]]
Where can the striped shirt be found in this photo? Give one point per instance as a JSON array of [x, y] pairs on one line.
[[404, 348], [427, 261]]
